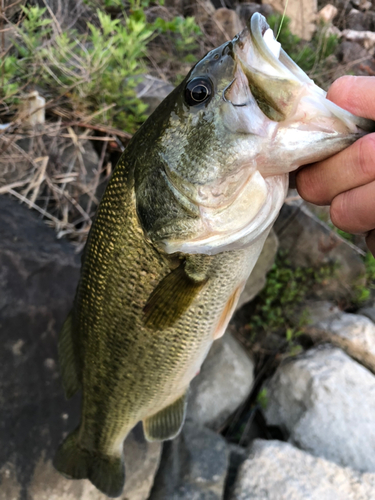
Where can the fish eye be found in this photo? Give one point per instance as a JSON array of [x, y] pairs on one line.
[[197, 91]]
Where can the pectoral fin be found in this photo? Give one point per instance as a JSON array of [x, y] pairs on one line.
[[68, 359], [167, 423], [171, 298]]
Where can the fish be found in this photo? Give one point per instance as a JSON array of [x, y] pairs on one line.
[[177, 233]]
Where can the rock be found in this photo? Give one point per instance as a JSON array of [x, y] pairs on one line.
[[302, 14], [246, 10], [362, 4], [326, 402], [328, 13], [278, 471], [237, 456], [369, 312], [38, 277], [354, 333], [152, 91], [202, 10], [225, 380], [258, 277], [356, 20], [226, 24], [193, 466], [311, 243], [348, 52], [32, 109], [141, 462], [365, 38]]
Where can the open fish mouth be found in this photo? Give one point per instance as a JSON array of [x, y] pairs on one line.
[[279, 85]]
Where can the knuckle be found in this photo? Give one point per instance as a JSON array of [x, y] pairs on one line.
[[307, 185], [339, 211], [366, 157]]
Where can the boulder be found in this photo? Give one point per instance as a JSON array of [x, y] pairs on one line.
[[354, 333], [246, 10], [193, 466], [302, 14], [365, 38], [258, 277], [225, 380], [348, 52], [369, 312], [326, 402], [226, 24], [141, 462], [309, 242], [276, 470], [38, 277]]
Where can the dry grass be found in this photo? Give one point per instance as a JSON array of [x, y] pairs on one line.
[[55, 170]]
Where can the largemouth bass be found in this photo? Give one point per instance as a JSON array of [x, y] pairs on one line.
[[177, 234]]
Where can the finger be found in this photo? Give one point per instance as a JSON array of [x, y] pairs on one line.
[[354, 210], [370, 242], [321, 182], [354, 93]]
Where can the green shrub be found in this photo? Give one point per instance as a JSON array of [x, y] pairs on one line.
[[94, 71]]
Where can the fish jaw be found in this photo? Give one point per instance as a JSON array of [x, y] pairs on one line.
[[308, 127]]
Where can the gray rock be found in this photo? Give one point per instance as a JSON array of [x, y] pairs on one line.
[[365, 38], [226, 24], [152, 91], [311, 243], [258, 277], [354, 333], [326, 402], [141, 462], [225, 380], [246, 10], [38, 277], [278, 471], [193, 466], [369, 312]]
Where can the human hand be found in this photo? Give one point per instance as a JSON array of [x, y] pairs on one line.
[[346, 181]]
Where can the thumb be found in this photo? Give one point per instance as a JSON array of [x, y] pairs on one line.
[[355, 94]]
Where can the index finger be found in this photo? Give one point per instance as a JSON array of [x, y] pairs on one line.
[[355, 94]]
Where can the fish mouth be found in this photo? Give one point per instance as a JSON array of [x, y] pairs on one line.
[[269, 49], [277, 83]]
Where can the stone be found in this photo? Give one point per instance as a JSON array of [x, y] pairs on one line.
[[354, 333], [258, 277], [193, 466], [302, 14], [246, 10], [328, 13], [202, 10], [141, 462], [348, 52], [369, 312], [365, 38], [32, 109], [225, 380], [226, 24], [326, 402], [309, 242], [152, 91], [38, 277], [278, 471]]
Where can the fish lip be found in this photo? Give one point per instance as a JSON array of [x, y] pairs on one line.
[[254, 34]]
